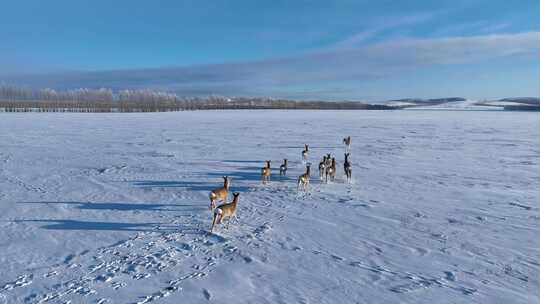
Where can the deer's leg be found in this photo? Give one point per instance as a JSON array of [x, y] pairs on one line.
[[213, 222]]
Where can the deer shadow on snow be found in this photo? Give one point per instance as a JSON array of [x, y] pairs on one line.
[[73, 224], [62, 224], [127, 206], [192, 185]]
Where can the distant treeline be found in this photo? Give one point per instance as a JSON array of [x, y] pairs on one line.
[[534, 108], [20, 99]]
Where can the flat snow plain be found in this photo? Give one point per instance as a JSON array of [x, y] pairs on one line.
[[113, 208]]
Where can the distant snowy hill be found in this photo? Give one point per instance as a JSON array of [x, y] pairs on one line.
[[458, 103]]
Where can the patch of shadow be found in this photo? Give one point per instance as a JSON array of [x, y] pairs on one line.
[[207, 294], [128, 206], [69, 258], [250, 175], [241, 161], [87, 225], [521, 206], [115, 226], [310, 147], [361, 205], [193, 185], [453, 221]]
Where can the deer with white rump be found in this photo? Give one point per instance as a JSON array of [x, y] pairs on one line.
[[331, 171], [322, 168], [347, 142], [305, 153], [283, 168], [347, 167], [225, 211], [303, 180], [220, 194]]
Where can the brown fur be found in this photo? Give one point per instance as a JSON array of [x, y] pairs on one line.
[[331, 171], [220, 194], [303, 180], [225, 211], [266, 173], [305, 153], [328, 161]]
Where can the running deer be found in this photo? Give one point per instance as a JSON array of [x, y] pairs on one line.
[[303, 180], [283, 168], [305, 153], [220, 194], [322, 168], [347, 142], [331, 171], [266, 172], [225, 211], [347, 167]]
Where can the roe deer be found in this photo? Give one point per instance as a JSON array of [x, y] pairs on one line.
[[225, 211], [322, 168], [331, 171], [328, 161], [266, 172], [220, 194], [305, 153], [347, 142], [347, 167], [283, 168], [303, 180]]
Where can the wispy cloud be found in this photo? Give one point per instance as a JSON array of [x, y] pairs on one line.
[[495, 28], [387, 24], [270, 77], [478, 27]]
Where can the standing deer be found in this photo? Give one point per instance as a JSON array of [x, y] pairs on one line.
[[303, 180], [347, 142], [322, 168], [331, 171], [305, 153], [266, 172], [225, 211], [347, 167], [328, 161], [283, 168], [220, 194]]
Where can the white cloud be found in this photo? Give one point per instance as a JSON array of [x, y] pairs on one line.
[[268, 76]]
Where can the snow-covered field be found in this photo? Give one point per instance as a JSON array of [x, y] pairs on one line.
[[113, 208]]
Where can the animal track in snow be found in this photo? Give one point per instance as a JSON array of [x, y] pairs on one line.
[[521, 206], [21, 281], [128, 261]]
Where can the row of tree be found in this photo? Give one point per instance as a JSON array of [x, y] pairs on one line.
[[24, 99]]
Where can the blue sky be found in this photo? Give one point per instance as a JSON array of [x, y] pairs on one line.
[[372, 50]]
